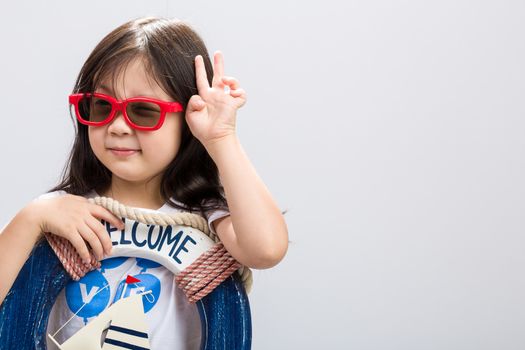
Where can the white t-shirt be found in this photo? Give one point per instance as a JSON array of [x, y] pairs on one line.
[[173, 322]]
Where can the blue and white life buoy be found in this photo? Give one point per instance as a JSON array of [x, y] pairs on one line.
[[224, 313]]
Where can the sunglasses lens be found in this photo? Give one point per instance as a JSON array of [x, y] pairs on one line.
[[146, 114], [94, 109]]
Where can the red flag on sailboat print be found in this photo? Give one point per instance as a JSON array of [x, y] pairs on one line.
[[131, 279]]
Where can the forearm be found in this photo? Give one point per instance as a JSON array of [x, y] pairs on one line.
[[259, 226], [16, 242]]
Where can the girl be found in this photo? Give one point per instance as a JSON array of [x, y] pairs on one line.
[[188, 159]]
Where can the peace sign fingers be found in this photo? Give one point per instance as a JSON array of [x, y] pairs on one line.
[[218, 73], [218, 69], [211, 115], [200, 76]]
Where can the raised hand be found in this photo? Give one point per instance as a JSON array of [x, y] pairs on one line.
[[212, 113]]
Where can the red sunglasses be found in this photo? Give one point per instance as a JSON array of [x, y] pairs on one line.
[[141, 113]]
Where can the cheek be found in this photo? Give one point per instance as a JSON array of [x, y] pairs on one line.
[[162, 148], [175, 137], [169, 135], [95, 138], [91, 138]]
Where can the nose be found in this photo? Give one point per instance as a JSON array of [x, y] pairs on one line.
[[119, 125]]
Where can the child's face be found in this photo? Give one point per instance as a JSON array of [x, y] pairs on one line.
[[154, 149]]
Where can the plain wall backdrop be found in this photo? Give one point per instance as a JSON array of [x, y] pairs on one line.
[[391, 131]]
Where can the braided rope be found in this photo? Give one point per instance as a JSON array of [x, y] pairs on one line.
[[159, 218], [156, 218], [70, 258], [207, 272], [197, 280]]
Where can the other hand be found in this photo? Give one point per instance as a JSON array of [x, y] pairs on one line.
[[211, 114]]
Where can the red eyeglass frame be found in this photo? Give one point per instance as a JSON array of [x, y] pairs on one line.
[[120, 105]]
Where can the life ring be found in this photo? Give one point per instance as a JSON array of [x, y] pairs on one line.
[[224, 311]]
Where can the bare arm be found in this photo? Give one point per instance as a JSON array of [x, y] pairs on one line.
[[16, 242], [255, 233], [68, 216]]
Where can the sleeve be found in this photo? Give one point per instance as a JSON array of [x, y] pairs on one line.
[[215, 214]]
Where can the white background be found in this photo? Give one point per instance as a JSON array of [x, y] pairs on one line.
[[391, 131]]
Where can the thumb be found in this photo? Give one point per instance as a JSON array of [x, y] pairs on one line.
[[196, 103]]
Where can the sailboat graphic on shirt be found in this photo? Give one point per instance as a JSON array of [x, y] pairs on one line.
[[124, 321]]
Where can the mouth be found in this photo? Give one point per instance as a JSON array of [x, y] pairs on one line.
[[123, 149], [123, 152]]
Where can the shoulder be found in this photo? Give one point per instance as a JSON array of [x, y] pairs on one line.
[[54, 194], [210, 215]]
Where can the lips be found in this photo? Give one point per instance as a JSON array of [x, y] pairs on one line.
[[122, 149], [123, 152]]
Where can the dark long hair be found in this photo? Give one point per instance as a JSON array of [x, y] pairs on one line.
[[168, 48]]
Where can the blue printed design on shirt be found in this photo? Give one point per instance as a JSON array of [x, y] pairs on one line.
[[147, 282], [147, 264], [111, 263], [88, 291]]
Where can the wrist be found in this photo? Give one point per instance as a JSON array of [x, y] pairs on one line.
[[31, 214], [223, 145]]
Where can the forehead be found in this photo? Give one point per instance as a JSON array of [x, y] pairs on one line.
[[132, 79]]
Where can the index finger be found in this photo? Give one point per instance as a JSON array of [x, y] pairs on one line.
[[200, 75], [102, 213]]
